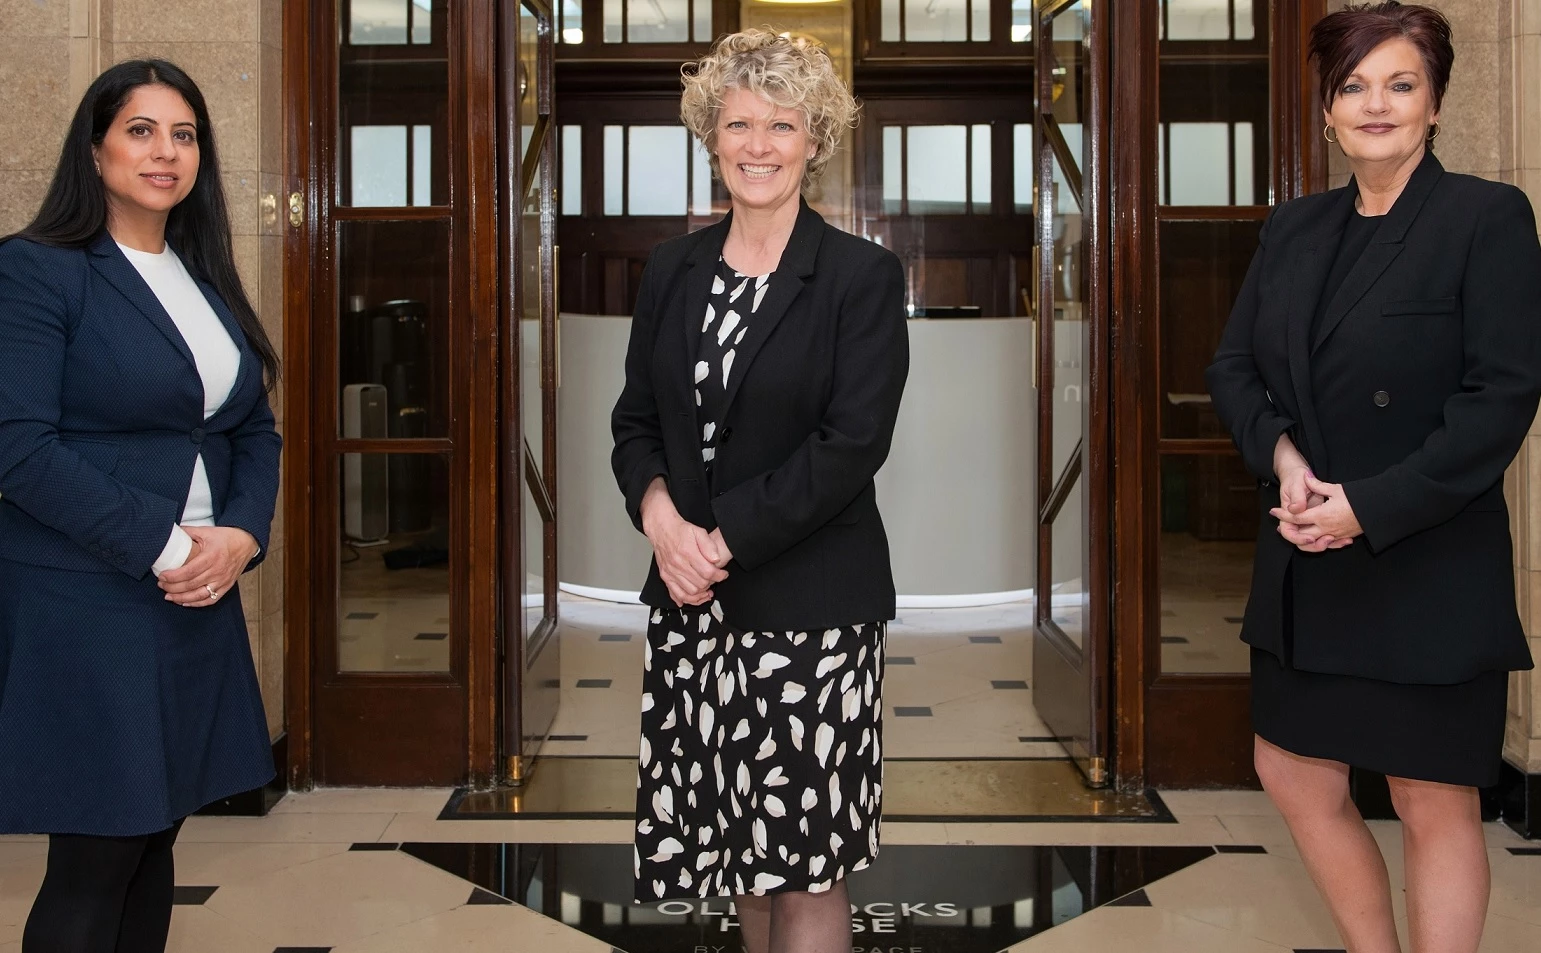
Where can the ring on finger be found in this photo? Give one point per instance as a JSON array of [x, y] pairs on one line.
[[213, 593]]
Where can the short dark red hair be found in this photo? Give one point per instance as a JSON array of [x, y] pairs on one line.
[[1340, 41]]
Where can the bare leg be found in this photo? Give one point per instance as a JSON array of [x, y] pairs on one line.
[[1448, 880], [812, 922], [754, 922], [1343, 859]]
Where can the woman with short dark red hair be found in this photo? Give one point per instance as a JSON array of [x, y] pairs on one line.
[[1378, 373]]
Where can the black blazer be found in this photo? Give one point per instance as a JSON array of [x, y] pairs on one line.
[[1415, 393], [807, 423]]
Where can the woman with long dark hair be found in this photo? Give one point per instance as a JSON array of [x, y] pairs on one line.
[[138, 476]]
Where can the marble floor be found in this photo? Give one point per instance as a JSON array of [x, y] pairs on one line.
[[958, 683], [370, 871]]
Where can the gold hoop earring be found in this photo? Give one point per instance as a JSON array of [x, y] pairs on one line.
[[1327, 134], [1434, 134]]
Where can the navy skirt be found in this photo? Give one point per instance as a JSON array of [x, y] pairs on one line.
[[120, 712]]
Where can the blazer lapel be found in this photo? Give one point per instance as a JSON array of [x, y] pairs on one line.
[[1383, 248], [1311, 266], [113, 265], [785, 284]]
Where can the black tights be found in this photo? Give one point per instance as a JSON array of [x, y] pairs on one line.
[[104, 895]]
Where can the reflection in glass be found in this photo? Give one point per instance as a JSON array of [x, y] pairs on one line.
[[393, 122], [571, 27], [534, 562], [1202, 267], [377, 22], [1068, 566], [393, 282], [572, 170], [393, 586], [1021, 21], [1209, 522], [936, 21], [380, 165]]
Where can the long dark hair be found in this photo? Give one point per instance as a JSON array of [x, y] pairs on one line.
[[74, 212]]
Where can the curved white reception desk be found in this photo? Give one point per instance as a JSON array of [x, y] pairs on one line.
[[956, 494]]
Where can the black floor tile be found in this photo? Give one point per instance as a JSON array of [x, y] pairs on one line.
[[373, 845], [1007, 683], [1525, 851], [431, 636], [985, 639], [191, 896], [615, 637], [486, 898], [567, 737], [1235, 619], [1240, 849], [1334, 950], [899, 660], [361, 615], [1173, 640], [1137, 899], [593, 683], [911, 711], [1036, 738], [302, 949], [914, 897]]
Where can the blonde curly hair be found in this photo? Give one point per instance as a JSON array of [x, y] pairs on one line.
[[793, 72]]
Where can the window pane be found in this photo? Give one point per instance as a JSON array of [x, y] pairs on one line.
[[937, 158], [980, 187], [422, 165], [1202, 267], [930, 21], [893, 169], [1198, 19], [615, 170], [700, 180], [422, 21], [657, 21], [1022, 176], [394, 563], [1244, 27], [655, 173], [891, 32], [1021, 21], [613, 21], [376, 22], [572, 22], [379, 165], [981, 24], [572, 170], [1208, 536], [393, 280], [1199, 163], [1245, 190], [703, 28]]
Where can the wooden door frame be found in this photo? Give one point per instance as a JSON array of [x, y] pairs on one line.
[[475, 230], [1154, 740]]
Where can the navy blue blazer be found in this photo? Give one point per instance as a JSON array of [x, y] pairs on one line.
[[101, 416]]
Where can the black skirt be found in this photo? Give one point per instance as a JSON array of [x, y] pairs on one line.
[[1448, 733]]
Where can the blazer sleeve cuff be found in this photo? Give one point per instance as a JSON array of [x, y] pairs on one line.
[[642, 477], [1259, 458]]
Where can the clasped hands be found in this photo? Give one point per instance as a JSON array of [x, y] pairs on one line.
[[219, 556], [690, 559], [1313, 515]]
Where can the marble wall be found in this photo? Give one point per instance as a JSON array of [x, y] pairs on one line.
[[50, 50]]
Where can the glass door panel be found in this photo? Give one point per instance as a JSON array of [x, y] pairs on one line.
[[1069, 654]]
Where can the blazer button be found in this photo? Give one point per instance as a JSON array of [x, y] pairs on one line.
[[196, 435], [725, 436], [1382, 398]]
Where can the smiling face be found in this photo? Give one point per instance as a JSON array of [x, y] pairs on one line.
[[762, 150], [1384, 109], [149, 156]]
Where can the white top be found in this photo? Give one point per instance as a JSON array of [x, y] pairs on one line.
[[218, 361]]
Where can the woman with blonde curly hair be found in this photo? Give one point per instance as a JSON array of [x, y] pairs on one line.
[[768, 354]]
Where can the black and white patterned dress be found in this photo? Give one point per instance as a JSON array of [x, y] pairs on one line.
[[761, 765]]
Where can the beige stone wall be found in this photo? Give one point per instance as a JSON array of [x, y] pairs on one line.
[[50, 50]]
